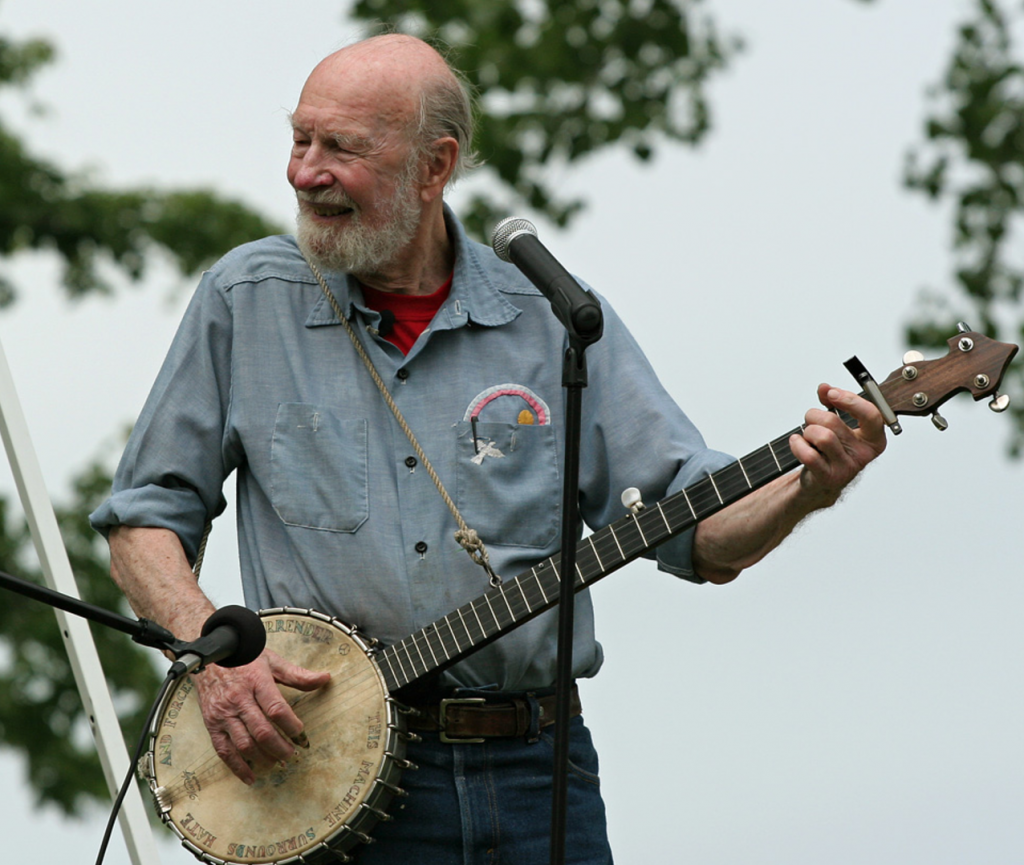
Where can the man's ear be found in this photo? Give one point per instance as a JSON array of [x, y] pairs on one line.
[[437, 168]]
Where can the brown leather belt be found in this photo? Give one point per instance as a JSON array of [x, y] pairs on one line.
[[474, 719]]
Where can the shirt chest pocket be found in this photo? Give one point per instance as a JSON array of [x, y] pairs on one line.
[[319, 469], [508, 483]]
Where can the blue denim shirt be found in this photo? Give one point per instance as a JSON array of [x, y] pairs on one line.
[[334, 512]]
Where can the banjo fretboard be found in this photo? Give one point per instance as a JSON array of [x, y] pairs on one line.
[[470, 627]]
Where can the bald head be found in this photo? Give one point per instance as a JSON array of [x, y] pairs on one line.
[[394, 55]]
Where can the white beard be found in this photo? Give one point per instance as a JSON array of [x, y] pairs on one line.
[[359, 247]]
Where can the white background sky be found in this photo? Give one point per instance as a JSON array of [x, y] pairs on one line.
[[854, 699]]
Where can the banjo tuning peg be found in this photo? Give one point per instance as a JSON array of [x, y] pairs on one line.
[[632, 500], [1000, 402]]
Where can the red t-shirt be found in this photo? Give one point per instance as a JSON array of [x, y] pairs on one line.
[[412, 312]]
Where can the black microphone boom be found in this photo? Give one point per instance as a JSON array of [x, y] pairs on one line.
[[515, 240], [231, 637]]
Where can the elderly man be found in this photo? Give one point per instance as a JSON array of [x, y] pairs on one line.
[[336, 510]]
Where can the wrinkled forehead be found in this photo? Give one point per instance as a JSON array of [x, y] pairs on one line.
[[362, 92]]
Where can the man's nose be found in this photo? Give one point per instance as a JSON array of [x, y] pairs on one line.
[[309, 171]]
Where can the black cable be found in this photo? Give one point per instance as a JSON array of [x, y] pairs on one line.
[[134, 762]]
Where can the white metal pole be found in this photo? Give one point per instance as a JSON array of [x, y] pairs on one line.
[[81, 649]]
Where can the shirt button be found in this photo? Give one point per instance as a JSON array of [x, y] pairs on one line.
[[410, 462], [421, 547], [403, 373]]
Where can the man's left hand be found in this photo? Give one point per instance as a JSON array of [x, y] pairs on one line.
[[831, 452]]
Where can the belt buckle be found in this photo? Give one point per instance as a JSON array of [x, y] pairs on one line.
[[443, 718]]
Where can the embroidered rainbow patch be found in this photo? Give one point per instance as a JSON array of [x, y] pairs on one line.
[[535, 412]]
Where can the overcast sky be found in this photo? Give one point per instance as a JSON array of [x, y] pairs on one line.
[[855, 698]]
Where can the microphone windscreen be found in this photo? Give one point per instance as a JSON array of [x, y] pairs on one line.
[[506, 231], [252, 636]]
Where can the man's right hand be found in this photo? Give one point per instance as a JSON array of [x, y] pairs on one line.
[[248, 719]]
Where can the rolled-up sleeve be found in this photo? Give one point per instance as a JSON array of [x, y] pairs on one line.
[[172, 472]]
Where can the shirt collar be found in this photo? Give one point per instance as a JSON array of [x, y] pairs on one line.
[[475, 296]]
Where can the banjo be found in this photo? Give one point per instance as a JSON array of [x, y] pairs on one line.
[[326, 800]]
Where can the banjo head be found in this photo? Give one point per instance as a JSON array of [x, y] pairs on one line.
[[326, 798]]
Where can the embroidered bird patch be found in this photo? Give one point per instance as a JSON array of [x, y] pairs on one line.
[[486, 449]]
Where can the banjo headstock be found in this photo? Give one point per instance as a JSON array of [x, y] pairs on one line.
[[974, 363]]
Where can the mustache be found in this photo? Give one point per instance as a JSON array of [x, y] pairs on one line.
[[332, 197]]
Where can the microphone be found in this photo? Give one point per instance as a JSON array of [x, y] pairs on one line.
[[515, 240], [232, 637]]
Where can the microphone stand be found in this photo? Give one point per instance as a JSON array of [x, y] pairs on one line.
[[515, 240], [583, 330]]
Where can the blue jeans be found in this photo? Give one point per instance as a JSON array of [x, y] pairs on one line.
[[490, 804]]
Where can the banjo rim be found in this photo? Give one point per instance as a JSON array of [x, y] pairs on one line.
[[369, 807]]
